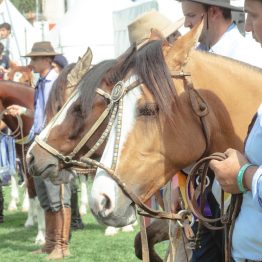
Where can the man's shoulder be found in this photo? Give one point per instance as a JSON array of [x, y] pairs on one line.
[[52, 75]]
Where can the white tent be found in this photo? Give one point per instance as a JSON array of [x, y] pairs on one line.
[[23, 33], [87, 23], [102, 25]]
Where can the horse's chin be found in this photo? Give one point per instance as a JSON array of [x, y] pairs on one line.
[[114, 220]]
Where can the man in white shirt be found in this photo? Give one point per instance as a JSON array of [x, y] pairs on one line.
[[220, 34]]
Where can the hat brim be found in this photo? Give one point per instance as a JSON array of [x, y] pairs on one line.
[[223, 5], [173, 27], [34, 54]]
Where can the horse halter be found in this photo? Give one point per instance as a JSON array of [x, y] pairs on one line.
[[118, 92]]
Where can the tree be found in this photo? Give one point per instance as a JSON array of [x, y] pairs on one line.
[[25, 6]]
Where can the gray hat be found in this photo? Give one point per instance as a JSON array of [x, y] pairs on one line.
[[220, 3], [43, 48]]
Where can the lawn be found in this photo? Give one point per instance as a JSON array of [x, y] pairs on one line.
[[89, 244]]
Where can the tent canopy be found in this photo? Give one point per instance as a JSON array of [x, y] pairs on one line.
[[23, 33], [87, 23]]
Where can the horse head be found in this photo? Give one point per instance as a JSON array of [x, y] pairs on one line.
[[67, 128], [184, 109], [20, 74]]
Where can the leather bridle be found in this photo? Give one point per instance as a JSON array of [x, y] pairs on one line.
[[118, 91], [116, 99]]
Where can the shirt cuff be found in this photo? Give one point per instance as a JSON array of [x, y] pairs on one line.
[[257, 187]]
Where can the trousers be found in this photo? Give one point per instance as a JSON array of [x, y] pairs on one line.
[[50, 196]]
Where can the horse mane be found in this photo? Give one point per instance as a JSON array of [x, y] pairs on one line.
[[235, 62], [154, 72], [57, 94], [149, 64]]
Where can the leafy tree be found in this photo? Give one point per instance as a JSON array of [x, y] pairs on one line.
[[24, 6]]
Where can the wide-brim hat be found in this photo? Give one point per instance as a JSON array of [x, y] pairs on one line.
[[220, 3], [43, 48], [141, 27]]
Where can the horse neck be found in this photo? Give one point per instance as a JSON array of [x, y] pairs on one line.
[[15, 93], [233, 93]]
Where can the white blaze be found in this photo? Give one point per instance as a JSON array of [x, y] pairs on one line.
[[103, 184]]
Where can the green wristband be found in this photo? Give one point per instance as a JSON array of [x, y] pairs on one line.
[[240, 175]]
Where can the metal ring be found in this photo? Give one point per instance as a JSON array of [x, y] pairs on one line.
[[185, 213], [207, 181], [67, 159]]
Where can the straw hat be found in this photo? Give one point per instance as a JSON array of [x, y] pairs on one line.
[[42, 49], [141, 27], [220, 3]]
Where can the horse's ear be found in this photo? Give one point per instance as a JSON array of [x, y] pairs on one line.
[[80, 69], [178, 54]]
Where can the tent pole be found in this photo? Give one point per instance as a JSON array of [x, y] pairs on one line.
[[15, 36]]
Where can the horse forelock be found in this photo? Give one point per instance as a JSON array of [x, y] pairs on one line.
[[153, 70]]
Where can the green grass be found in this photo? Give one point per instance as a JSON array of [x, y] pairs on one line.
[[89, 244]]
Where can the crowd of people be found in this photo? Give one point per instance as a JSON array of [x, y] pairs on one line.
[[238, 173]]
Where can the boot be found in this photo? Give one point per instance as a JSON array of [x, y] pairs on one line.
[[61, 232], [76, 221], [50, 225], [1, 203]]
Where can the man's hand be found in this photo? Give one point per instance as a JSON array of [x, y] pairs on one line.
[[226, 171], [16, 110]]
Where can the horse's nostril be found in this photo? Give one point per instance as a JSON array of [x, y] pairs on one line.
[[104, 206], [105, 202]]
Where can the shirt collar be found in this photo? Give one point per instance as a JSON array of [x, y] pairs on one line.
[[224, 38]]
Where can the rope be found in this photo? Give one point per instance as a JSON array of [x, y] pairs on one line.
[[195, 193]]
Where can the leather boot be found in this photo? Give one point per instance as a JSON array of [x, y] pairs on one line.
[[1, 203], [63, 219], [50, 224], [76, 221]]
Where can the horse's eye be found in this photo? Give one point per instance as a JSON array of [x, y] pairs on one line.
[[148, 110]]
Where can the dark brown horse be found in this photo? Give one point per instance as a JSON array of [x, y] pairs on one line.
[[20, 94]]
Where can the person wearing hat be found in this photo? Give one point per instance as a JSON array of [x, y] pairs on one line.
[[242, 173], [139, 30], [57, 212], [59, 63], [220, 34]]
